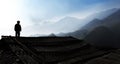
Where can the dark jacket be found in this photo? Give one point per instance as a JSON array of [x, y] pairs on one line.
[[17, 27]]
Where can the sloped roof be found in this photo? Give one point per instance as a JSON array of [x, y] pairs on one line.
[[53, 49]]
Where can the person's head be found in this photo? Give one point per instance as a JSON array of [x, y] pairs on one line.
[[18, 22]]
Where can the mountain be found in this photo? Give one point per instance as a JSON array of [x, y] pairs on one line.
[[101, 37], [92, 24], [113, 16], [103, 14], [52, 35], [68, 24], [113, 21], [108, 36], [98, 32], [78, 28], [82, 32]]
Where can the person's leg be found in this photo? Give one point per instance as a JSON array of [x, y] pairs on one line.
[[18, 34], [15, 33]]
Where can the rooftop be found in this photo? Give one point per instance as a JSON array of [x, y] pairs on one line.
[[47, 50]]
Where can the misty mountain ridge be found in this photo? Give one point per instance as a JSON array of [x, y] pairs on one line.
[[72, 25], [103, 14], [81, 33], [104, 33], [68, 24]]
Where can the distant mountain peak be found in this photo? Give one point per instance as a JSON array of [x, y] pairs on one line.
[[103, 14], [113, 9]]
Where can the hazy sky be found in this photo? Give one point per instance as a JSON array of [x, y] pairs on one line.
[[31, 12]]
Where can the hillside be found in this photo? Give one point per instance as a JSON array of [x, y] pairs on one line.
[[111, 21]]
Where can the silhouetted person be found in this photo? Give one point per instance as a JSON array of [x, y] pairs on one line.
[[17, 29]]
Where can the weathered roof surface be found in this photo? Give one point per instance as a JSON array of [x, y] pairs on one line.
[[48, 43], [64, 50], [111, 58]]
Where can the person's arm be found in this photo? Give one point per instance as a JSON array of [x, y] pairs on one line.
[[20, 28], [15, 27]]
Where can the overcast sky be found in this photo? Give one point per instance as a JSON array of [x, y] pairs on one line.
[[31, 12]]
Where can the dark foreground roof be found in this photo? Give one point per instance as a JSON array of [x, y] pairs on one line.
[[45, 50]]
